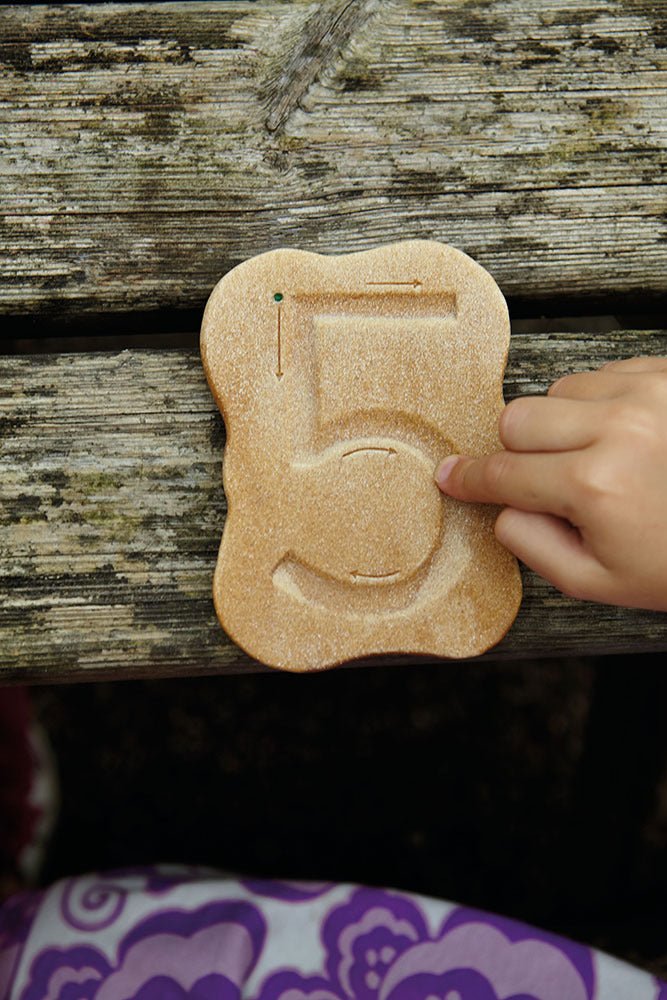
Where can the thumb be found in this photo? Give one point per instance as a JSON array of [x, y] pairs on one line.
[[555, 550]]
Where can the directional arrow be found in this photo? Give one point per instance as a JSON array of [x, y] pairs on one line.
[[279, 370], [356, 575], [415, 283]]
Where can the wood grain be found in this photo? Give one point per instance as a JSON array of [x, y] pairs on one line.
[[147, 148], [112, 509]]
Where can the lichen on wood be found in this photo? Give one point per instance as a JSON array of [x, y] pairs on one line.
[[112, 510], [147, 148]]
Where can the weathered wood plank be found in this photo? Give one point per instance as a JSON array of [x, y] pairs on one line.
[[112, 509], [147, 148]]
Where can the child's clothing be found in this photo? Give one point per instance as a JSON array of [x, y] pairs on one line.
[[192, 934]]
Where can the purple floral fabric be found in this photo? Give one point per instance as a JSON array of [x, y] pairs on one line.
[[205, 954], [378, 945], [158, 934]]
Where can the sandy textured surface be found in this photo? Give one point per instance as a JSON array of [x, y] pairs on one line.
[[342, 382]]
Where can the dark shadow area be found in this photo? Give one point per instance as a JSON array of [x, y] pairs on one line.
[[179, 327], [529, 788]]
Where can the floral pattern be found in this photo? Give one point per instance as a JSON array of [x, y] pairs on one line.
[[173, 955], [378, 948], [187, 934], [92, 903]]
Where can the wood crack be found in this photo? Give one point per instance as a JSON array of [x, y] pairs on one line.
[[324, 35]]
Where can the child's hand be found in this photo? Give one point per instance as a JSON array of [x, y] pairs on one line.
[[584, 480]]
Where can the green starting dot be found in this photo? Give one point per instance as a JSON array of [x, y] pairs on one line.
[[278, 297]]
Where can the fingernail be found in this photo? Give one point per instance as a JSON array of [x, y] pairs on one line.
[[443, 470]]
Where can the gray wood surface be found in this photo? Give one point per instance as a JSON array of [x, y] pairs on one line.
[[147, 148], [112, 509]]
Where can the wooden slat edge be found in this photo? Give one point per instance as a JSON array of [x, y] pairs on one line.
[[148, 148], [112, 509]]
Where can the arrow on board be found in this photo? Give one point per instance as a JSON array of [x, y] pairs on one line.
[[415, 283], [279, 370], [356, 575]]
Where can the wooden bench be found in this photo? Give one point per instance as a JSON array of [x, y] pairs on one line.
[[146, 149]]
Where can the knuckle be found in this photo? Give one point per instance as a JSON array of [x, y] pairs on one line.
[[494, 472], [631, 423], [618, 417], [581, 476], [594, 482], [638, 422]]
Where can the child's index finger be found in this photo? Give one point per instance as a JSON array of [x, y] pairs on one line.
[[480, 480], [532, 481]]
